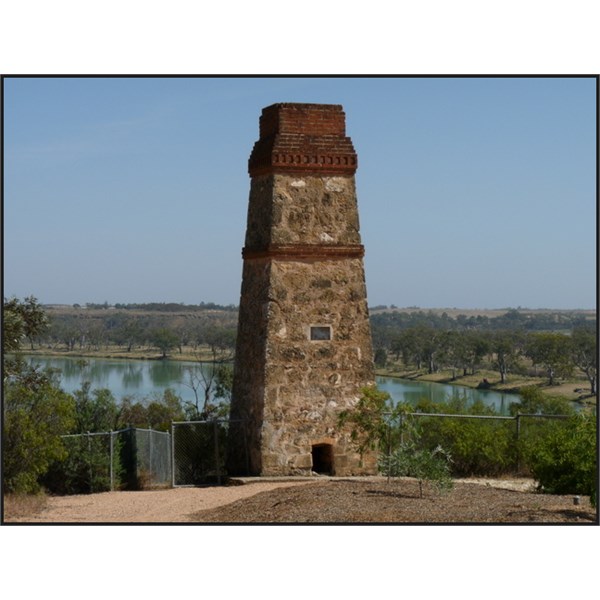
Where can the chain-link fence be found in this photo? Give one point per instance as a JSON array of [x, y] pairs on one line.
[[146, 458], [126, 459], [194, 453], [200, 451]]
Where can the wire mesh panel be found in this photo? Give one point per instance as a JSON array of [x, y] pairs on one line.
[[98, 462], [153, 452], [199, 450]]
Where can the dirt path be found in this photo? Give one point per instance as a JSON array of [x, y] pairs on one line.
[[159, 506]]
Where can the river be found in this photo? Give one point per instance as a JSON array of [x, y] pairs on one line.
[[141, 379]]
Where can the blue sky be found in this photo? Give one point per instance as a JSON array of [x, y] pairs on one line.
[[473, 193]]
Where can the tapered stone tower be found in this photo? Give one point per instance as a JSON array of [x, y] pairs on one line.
[[304, 342]]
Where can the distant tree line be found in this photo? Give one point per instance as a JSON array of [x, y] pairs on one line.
[[464, 352], [516, 342], [161, 306], [79, 329], [385, 325]]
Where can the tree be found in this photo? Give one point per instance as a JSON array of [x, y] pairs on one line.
[[369, 420], [165, 340], [97, 410], [506, 348], [35, 411], [36, 414], [419, 344], [453, 351], [25, 318], [158, 413], [551, 351], [380, 358], [209, 381], [585, 354], [212, 379], [476, 346], [378, 425]]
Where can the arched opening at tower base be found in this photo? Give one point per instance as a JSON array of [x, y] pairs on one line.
[[322, 459]]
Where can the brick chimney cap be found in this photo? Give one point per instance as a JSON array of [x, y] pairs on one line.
[[303, 138]]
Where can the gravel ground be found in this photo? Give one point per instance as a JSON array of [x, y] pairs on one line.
[[352, 501], [319, 500], [155, 506]]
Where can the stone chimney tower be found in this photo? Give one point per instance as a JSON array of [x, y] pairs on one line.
[[304, 341]]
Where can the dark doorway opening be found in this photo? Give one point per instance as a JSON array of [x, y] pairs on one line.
[[322, 459]]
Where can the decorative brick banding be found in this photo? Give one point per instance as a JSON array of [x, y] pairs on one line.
[[300, 252], [299, 138]]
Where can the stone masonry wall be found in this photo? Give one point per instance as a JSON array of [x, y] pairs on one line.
[[287, 209], [295, 388], [308, 383]]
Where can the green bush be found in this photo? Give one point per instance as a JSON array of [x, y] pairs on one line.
[[431, 466], [535, 402], [36, 413], [86, 469], [564, 460], [477, 446]]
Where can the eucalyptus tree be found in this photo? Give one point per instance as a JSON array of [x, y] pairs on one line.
[[164, 339], [507, 348], [585, 354], [35, 411], [553, 352]]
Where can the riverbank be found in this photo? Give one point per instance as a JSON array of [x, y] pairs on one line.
[[187, 354], [577, 390]]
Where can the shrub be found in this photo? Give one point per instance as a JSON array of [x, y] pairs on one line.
[[86, 467], [535, 402], [36, 413], [432, 466], [477, 446], [376, 423], [564, 460]]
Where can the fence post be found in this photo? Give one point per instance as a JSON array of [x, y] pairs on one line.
[[518, 419], [112, 477], [246, 454], [216, 432], [401, 429], [172, 454], [389, 451], [89, 437]]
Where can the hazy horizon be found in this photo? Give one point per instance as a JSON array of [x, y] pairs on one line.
[[382, 306]]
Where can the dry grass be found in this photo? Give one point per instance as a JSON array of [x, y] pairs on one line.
[[17, 506]]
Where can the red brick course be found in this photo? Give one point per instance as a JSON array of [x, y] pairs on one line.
[[303, 138]]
